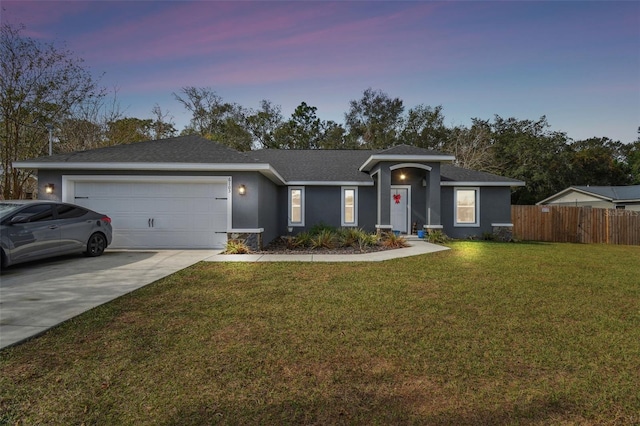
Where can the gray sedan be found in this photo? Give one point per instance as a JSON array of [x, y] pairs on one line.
[[32, 230]]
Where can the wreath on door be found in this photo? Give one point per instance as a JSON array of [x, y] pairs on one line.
[[397, 198]]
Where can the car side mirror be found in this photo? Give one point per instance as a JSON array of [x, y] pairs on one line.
[[19, 218]]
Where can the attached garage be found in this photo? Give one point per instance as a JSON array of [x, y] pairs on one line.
[[153, 212]]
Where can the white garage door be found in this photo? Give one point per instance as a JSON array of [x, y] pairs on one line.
[[160, 214]]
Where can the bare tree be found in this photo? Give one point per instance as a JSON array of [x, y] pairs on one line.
[[215, 119], [472, 147], [87, 124], [263, 123], [163, 125], [40, 84]]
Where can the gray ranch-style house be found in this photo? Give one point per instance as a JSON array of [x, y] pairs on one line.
[[190, 192]]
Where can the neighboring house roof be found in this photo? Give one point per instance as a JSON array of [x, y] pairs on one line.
[[614, 194], [292, 167]]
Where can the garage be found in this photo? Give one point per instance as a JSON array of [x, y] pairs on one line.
[[157, 212]]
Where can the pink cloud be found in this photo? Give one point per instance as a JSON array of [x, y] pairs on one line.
[[189, 30], [40, 16]]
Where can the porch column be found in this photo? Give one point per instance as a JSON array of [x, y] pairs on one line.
[[384, 199], [434, 220]]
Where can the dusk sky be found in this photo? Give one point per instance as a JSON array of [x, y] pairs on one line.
[[576, 62]]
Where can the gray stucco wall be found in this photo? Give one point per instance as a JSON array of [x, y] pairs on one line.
[[323, 205], [495, 207], [246, 207], [367, 205], [269, 210], [46, 177]]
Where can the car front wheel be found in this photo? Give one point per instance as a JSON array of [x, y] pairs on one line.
[[96, 245]]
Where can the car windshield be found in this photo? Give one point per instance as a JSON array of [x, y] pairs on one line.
[[7, 208]]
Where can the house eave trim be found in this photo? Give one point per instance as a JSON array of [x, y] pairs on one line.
[[263, 168], [142, 166], [326, 183]]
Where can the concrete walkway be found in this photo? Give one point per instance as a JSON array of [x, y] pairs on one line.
[[37, 296], [416, 247]]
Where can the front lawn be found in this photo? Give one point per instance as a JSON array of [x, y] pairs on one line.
[[485, 333]]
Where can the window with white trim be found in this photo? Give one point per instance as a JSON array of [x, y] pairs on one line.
[[296, 206], [466, 206], [349, 197]]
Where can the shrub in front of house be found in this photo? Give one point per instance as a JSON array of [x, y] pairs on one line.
[[437, 237], [391, 240], [325, 238], [236, 247]]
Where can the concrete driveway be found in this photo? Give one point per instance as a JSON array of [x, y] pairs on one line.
[[37, 296]]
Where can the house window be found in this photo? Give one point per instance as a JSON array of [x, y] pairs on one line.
[[349, 206], [296, 206], [467, 203]]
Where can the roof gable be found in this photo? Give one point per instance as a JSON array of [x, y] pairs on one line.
[[408, 150], [403, 153]]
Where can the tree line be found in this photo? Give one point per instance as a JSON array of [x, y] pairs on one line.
[[46, 92]]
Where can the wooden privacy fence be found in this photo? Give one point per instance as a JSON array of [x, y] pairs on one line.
[[576, 224]]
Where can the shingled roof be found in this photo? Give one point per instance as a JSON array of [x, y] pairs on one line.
[[613, 193], [182, 149], [293, 166], [450, 173], [407, 150], [316, 165]]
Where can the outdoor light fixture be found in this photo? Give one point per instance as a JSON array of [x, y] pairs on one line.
[[48, 188], [242, 190], [402, 176]]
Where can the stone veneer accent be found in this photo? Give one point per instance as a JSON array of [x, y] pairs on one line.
[[253, 240], [503, 231]]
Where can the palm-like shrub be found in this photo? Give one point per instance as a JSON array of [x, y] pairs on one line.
[[324, 239], [437, 237], [303, 239], [391, 240], [236, 247], [367, 240], [348, 237]]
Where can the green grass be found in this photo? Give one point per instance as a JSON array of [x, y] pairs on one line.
[[486, 333]]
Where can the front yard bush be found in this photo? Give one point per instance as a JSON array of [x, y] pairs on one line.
[[326, 237], [236, 247]]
